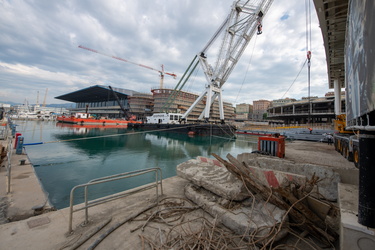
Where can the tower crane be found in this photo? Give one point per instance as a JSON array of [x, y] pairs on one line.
[[161, 72], [243, 21]]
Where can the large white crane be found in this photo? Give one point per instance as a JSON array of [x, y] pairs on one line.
[[243, 21], [161, 72]]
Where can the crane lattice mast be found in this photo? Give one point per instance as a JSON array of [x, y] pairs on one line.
[[244, 20], [161, 72]]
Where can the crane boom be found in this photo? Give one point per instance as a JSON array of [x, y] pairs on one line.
[[119, 103], [162, 72], [236, 32]]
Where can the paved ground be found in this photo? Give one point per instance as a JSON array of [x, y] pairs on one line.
[[317, 153]]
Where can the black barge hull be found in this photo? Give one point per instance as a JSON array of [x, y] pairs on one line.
[[204, 129]]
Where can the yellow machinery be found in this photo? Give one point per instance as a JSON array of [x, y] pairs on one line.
[[346, 141]]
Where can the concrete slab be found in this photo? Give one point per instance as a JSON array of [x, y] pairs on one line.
[[352, 234], [256, 221], [328, 179], [38, 222], [213, 178], [276, 179]]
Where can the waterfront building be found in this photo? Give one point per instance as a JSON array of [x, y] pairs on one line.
[[101, 101], [172, 101], [244, 112], [320, 110], [260, 108], [280, 102]]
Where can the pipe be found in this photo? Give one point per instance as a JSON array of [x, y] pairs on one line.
[[365, 128]]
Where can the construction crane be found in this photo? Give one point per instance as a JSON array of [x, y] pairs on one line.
[[161, 72], [243, 21]]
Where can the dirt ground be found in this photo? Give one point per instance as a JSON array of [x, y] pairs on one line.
[[315, 153]]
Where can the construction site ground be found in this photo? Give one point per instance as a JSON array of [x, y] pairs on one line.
[[50, 230]]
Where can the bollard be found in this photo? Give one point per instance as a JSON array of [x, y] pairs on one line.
[[19, 145]]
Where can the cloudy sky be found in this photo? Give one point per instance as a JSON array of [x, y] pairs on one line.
[[39, 48]]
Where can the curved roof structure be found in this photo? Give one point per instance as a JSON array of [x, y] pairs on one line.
[[97, 93], [332, 15]]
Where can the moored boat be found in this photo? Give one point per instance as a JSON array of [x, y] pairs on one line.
[[85, 118]]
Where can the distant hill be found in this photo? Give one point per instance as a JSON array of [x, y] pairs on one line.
[[11, 103], [61, 105]]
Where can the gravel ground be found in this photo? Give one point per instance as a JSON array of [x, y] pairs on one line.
[[315, 153]]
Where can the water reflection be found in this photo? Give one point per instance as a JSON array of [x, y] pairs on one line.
[[68, 158]]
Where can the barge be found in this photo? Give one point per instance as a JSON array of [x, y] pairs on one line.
[[203, 129], [84, 118]]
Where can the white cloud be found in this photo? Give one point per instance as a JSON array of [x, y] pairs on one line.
[[38, 47]]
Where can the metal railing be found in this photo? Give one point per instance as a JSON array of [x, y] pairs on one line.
[[87, 204], [9, 165], [6, 135]]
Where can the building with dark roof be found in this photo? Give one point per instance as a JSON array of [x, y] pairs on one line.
[[100, 100]]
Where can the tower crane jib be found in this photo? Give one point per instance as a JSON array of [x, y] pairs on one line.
[[161, 72]]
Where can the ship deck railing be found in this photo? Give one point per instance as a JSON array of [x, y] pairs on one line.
[[123, 194]]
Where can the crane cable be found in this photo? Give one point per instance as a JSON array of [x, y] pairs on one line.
[[308, 49], [295, 79]]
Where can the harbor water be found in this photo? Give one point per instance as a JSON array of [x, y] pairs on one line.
[[70, 155]]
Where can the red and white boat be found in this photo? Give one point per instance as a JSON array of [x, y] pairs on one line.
[[85, 118]]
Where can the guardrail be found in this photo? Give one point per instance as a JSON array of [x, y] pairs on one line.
[[9, 165], [6, 134], [87, 204]]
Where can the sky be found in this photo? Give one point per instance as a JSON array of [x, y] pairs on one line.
[[39, 42]]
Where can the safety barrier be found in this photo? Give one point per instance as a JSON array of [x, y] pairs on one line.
[[87, 204], [274, 145]]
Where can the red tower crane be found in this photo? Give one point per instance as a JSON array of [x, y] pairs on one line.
[[162, 72]]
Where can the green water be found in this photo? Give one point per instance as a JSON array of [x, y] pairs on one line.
[[72, 156]]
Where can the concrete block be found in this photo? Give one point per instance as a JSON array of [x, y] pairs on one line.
[[327, 186], [275, 179], [348, 175], [353, 235], [261, 221], [214, 178]]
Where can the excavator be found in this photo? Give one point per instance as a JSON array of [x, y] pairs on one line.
[[128, 116]]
